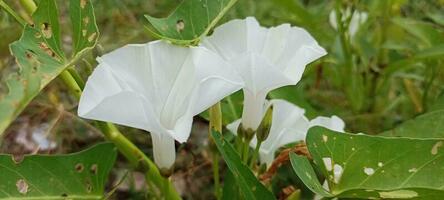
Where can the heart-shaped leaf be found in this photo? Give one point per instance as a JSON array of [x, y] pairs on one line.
[[191, 20], [40, 56], [364, 166], [79, 175]]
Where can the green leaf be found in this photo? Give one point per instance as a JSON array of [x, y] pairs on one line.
[[249, 185], [305, 171], [364, 166], [429, 125], [191, 20], [437, 17], [230, 189], [434, 52], [40, 56], [79, 175], [439, 104], [425, 32]]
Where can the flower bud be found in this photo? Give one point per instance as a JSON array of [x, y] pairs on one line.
[[264, 128], [246, 134]]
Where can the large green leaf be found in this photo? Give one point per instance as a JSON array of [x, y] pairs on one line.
[[40, 55], [191, 20], [79, 175], [429, 125], [249, 185], [364, 166]]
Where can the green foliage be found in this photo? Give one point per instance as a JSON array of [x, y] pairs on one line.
[[249, 185], [191, 20], [40, 55], [362, 166], [79, 175], [429, 125], [302, 166]]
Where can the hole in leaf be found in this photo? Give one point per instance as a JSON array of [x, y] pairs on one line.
[[46, 30], [86, 20], [94, 169], [180, 25], [17, 159], [89, 187], [83, 3], [79, 167], [22, 186], [92, 37]]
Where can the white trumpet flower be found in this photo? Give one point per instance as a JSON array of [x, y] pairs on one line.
[[357, 19], [289, 125], [265, 58], [157, 87]]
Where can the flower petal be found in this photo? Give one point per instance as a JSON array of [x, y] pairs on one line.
[[164, 150], [334, 123], [216, 79], [289, 125], [236, 37], [103, 96]]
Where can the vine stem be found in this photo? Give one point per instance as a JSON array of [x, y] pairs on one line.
[[128, 149], [11, 12], [215, 112], [255, 153], [29, 6]]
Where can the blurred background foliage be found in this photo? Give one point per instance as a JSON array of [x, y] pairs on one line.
[[390, 71]]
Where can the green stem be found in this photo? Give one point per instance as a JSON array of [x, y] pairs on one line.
[[76, 77], [29, 6], [255, 154], [246, 151], [217, 187], [70, 81], [10, 11], [215, 125]]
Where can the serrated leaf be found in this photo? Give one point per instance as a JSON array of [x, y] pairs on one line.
[[364, 166], [40, 56], [191, 20], [429, 125], [249, 185], [79, 175]]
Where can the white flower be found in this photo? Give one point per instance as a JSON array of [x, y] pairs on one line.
[[357, 19], [157, 87], [333, 123], [265, 58], [288, 125]]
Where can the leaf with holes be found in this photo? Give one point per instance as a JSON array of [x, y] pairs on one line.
[[191, 20], [373, 167], [429, 125], [79, 175], [40, 55], [249, 185]]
